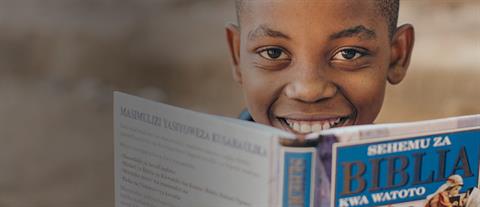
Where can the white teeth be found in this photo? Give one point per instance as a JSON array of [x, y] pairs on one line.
[[296, 126], [312, 126], [326, 125], [305, 128], [317, 127]]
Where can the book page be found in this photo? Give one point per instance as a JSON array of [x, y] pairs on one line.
[[474, 198], [166, 156], [355, 133]]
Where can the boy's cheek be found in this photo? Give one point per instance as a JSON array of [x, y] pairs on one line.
[[365, 90], [259, 97], [368, 113], [258, 110], [368, 101]]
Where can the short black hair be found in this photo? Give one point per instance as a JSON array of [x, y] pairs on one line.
[[387, 8]]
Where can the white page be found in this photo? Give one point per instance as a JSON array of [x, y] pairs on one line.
[[158, 166], [474, 198], [354, 133]]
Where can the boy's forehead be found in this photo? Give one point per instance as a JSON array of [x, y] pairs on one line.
[[339, 7], [330, 15]]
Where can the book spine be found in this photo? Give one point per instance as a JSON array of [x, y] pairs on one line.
[[297, 169]]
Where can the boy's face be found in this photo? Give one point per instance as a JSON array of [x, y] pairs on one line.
[[311, 65]]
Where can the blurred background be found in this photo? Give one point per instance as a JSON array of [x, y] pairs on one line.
[[60, 60]]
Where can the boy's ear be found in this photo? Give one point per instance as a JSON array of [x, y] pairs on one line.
[[401, 51], [233, 38]]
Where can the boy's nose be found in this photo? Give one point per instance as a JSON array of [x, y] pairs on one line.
[[310, 89]]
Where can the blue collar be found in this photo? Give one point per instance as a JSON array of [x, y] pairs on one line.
[[245, 115]]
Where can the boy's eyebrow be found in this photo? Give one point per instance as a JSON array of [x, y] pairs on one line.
[[359, 31], [264, 30]]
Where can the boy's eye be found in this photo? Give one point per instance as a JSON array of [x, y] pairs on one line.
[[273, 54], [347, 54], [351, 58]]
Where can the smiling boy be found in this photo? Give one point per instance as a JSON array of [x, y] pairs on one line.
[[309, 65]]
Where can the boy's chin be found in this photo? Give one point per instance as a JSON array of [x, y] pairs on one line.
[[306, 126]]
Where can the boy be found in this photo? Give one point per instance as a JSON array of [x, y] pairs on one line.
[[306, 66], [310, 65]]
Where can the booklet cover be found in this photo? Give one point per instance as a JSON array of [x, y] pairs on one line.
[[440, 169], [173, 157]]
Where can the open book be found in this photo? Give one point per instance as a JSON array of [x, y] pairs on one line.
[[173, 157]]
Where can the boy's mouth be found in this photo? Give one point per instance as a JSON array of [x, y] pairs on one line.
[[306, 126]]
